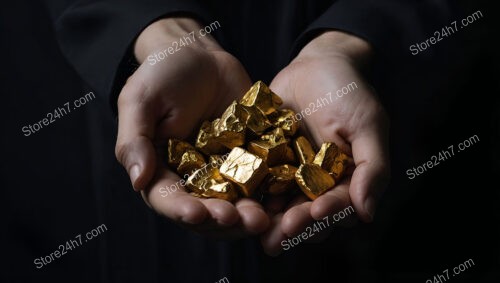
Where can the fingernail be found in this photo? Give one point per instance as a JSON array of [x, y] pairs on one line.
[[370, 205], [135, 171]]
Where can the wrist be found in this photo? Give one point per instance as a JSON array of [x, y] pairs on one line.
[[164, 32], [338, 44]]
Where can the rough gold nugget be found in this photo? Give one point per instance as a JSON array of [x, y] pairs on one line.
[[339, 166], [313, 180], [289, 156], [280, 179], [216, 160], [230, 129], [331, 159], [283, 118], [303, 150], [326, 156], [275, 136], [261, 97], [190, 161], [272, 147], [206, 142], [244, 169], [271, 153], [257, 121], [207, 182], [175, 150]]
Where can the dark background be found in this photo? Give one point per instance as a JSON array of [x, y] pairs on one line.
[[64, 180]]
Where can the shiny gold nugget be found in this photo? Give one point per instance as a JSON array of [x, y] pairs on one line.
[[271, 153], [280, 179], [303, 150], [230, 129], [225, 191], [216, 160], [207, 182], [261, 97], [175, 150], [339, 166], [272, 147], [289, 156], [190, 161], [326, 156], [244, 169], [206, 142], [283, 118], [275, 136], [313, 180], [257, 122]]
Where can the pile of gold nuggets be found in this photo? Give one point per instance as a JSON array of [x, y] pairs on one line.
[[253, 148]]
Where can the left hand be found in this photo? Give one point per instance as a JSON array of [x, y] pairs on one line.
[[355, 120]]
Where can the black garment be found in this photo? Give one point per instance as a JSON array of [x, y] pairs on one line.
[[96, 36]]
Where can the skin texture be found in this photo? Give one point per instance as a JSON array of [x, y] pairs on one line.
[[173, 97], [356, 122]]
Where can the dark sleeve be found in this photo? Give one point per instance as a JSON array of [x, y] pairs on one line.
[[391, 26], [97, 36]]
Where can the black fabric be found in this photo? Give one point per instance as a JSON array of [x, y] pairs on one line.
[[96, 36], [389, 25]]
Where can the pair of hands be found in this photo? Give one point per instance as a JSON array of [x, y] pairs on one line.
[[172, 97]]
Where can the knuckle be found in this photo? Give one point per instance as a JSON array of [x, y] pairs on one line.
[[120, 152], [134, 91]]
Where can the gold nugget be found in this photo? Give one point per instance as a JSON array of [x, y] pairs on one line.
[[230, 129], [272, 147], [225, 191], [208, 182], [271, 153], [257, 122], [280, 179], [275, 136], [303, 150], [313, 180], [190, 161], [261, 97], [284, 119], [326, 156], [339, 166], [206, 142], [216, 160], [244, 169], [175, 150], [289, 156]]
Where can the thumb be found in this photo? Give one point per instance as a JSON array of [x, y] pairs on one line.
[[372, 173], [136, 126]]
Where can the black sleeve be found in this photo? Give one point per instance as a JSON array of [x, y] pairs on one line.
[[97, 36], [391, 26]]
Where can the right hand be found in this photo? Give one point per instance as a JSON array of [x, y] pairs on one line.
[[170, 99]]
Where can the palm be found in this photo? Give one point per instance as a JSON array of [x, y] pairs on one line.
[[181, 92], [313, 84], [309, 87], [190, 87]]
